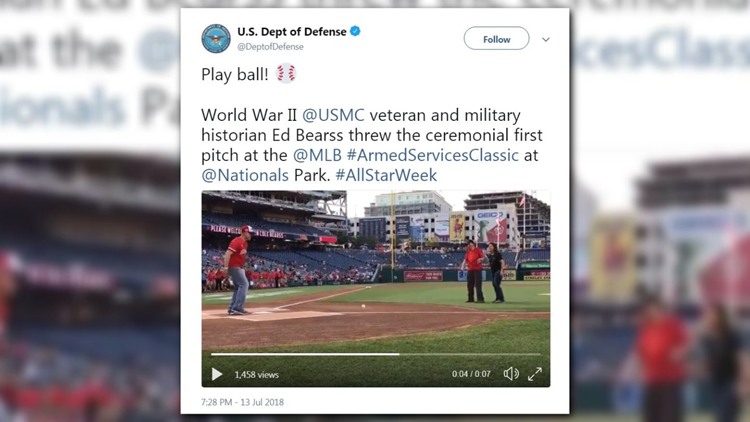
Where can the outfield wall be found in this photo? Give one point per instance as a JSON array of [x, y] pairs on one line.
[[415, 275], [525, 271]]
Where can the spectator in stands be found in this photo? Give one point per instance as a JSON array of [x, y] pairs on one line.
[[7, 289], [220, 277], [496, 266], [249, 277], [211, 279], [722, 350], [662, 347], [473, 262]]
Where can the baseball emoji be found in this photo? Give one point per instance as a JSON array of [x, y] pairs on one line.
[[286, 73]]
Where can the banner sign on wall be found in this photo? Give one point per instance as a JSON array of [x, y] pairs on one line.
[[535, 265], [402, 227], [537, 276], [613, 247], [372, 227], [442, 227], [416, 228], [457, 227], [423, 276], [216, 228], [491, 226]]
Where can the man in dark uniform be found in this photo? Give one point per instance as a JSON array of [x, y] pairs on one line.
[[496, 267]]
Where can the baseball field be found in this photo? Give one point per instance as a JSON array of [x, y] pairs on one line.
[[381, 335]]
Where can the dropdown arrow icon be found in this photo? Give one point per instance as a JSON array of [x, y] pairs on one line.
[[545, 39]]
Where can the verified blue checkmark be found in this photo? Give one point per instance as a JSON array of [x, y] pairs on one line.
[[354, 30]]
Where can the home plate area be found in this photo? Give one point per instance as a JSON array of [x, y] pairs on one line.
[[265, 314]]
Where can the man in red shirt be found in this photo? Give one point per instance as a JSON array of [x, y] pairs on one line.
[[473, 262], [234, 264], [662, 347]]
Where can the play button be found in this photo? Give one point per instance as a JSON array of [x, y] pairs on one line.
[[215, 374]]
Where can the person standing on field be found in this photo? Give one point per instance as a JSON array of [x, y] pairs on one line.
[[662, 345], [473, 263], [722, 347], [496, 266], [234, 264]]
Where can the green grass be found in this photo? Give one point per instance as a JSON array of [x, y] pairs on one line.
[[266, 295], [520, 296], [503, 336]]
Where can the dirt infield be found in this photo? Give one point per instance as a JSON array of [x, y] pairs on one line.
[[308, 319]]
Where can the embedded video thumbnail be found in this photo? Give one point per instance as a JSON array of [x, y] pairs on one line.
[[375, 289]]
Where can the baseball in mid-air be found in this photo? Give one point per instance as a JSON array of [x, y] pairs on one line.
[[363, 305]]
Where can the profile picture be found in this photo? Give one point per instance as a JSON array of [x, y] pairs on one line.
[[216, 38]]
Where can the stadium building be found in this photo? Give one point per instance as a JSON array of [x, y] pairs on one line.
[[423, 209], [295, 212], [492, 217], [420, 228], [532, 219], [408, 203], [694, 231]]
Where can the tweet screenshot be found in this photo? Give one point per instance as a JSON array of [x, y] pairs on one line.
[[375, 211]]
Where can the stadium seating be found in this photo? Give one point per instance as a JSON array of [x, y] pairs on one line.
[[332, 259], [345, 259], [430, 259], [365, 257], [117, 345], [310, 260], [535, 255], [119, 360]]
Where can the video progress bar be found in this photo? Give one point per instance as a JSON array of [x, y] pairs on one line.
[[376, 354]]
